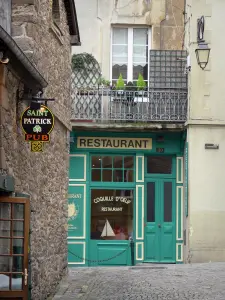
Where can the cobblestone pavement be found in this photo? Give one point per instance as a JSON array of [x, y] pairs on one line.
[[153, 282]]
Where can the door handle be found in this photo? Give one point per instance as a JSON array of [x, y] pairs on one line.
[[159, 225], [25, 276]]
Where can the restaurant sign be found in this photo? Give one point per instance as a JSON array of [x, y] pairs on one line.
[[37, 125], [115, 143]]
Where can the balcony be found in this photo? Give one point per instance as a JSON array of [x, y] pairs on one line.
[[100, 105]]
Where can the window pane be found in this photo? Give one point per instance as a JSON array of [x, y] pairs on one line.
[[167, 201], [5, 210], [128, 176], [128, 162], [120, 36], [96, 175], [119, 54], [118, 175], [119, 69], [107, 162], [4, 280], [4, 228], [18, 211], [18, 246], [140, 54], [140, 36], [17, 282], [118, 162], [143, 70], [4, 246], [159, 164], [96, 161], [18, 228], [150, 202], [106, 175], [5, 264], [111, 214]]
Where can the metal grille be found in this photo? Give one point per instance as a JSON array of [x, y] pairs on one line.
[[167, 69], [84, 81]]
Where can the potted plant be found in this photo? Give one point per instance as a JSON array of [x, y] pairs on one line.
[[141, 85], [120, 85], [104, 82]]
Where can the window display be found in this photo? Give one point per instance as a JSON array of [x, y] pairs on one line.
[[111, 214]]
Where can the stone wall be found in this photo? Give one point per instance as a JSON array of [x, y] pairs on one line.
[[47, 44], [42, 175]]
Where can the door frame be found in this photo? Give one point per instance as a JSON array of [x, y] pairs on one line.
[[21, 294]]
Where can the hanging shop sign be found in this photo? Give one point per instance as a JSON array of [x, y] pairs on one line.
[[117, 143], [37, 125]]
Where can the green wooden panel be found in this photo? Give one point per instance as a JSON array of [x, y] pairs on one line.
[[139, 212], [186, 178], [179, 170], [77, 171], [140, 168], [108, 253], [179, 211], [76, 248], [179, 252], [139, 252], [77, 210]]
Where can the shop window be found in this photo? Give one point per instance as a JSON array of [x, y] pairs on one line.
[[112, 168], [111, 214], [159, 164]]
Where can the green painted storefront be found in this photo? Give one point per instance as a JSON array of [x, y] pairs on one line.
[[125, 186]]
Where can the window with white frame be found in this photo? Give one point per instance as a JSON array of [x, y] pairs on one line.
[[130, 47]]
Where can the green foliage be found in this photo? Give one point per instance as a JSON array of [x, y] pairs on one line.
[[141, 85], [120, 83], [83, 61], [103, 81]]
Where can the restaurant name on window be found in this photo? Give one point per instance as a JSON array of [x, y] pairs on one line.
[[119, 143]]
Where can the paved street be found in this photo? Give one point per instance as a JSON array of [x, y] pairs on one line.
[[155, 282]]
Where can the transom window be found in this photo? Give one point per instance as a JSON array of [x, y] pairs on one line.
[[112, 168], [130, 48]]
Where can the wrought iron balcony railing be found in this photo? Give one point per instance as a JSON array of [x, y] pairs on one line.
[[105, 105]]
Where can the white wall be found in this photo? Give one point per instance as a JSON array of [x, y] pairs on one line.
[[206, 194], [96, 17]]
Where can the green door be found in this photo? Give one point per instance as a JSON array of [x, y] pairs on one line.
[[160, 241]]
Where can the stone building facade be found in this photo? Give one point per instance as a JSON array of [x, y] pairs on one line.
[[205, 125], [163, 17], [44, 31]]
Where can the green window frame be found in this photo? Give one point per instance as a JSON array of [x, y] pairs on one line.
[[112, 168]]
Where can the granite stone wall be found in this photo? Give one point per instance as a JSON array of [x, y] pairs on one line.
[[44, 176]]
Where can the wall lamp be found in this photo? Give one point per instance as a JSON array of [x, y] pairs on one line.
[[202, 55], [203, 51]]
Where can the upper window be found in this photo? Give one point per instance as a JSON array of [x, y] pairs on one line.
[[112, 168], [159, 164], [129, 53]]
